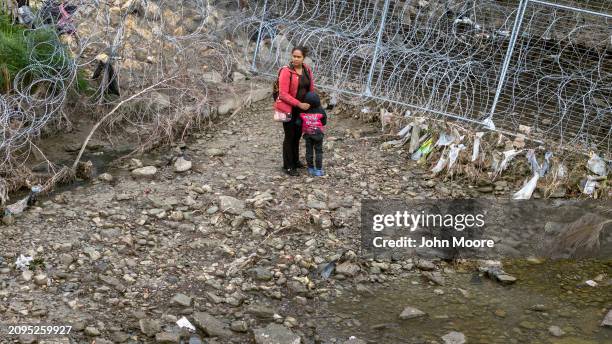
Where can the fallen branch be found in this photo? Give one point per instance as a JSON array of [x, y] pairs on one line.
[[95, 127]]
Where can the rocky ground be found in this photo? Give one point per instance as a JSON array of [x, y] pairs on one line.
[[219, 236]]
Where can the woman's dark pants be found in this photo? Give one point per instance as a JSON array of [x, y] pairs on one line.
[[291, 145]]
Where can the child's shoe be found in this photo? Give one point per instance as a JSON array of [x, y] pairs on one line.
[[318, 172], [311, 171]]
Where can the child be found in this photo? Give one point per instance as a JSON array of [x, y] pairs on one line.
[[313, 121]]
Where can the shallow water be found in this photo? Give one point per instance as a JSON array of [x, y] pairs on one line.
[[548, 294]]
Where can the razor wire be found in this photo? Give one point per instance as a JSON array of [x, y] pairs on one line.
[[146, 41], [446, 58]]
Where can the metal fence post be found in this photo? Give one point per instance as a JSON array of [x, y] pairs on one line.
[[263, 17], [518, 21], [368, 91]]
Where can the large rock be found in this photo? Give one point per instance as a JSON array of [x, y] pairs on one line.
[[607, 321], [182, 165], [227, 105], [211, 325], [454, 338], [411, 313], [149, 327], [275, 334], [260, 94], [231, 205], [348, 269], [145, 172]]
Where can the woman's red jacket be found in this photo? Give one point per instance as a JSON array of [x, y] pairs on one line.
[[286, 95]]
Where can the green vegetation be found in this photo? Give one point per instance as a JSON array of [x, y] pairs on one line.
[[20, 47]]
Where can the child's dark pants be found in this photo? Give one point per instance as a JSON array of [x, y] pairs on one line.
[[314, 143]]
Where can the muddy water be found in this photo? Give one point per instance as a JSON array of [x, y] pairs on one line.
[[549, 294]]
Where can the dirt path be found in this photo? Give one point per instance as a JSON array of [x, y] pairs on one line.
[[121, 261]]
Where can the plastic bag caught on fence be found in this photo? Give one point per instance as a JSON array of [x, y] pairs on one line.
[[508, 156], [527, 190], [589, 185], [596, 165], [476, 148], [425, 149], [440, 165], [405, 131], [445, 140], [453, 154]]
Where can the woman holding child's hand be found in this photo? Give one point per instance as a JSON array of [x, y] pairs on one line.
[[294, 82]]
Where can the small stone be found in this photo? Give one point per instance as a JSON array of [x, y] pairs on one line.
[[27, 275], [40, 279], [214, 152], [167, 338], [182, 300], [262, 274], [145, 172], [316, 204], [239, 326], [182, 165], [231, 205], [149, 326], [410, 313], [106, 177], [556, 331], [426, 265], [527, 325], [92, 331], [500, 313], [348, 269], [607, 321], [454, 338], [275, 334], [211, 325], [92, 253]]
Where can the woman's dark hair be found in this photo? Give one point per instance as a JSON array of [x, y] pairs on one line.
[[301, 48]]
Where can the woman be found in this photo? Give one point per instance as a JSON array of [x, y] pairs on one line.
[[294, 82]]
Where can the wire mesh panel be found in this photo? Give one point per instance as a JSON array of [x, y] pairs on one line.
[[526, 62], [560, 76]]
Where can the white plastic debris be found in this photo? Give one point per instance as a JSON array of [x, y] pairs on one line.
[[546, 165], [476, 148], [405, 131], [591, 283], [445, 140], [527, 190], [561, 171], [488, 123], [183, 322], [440, 165], [533, 163], [23, 262], [333, 101], [365, 110], [590, 185], [596, 165], [508, 156], [25, 15], [453, 154], [19, 206]]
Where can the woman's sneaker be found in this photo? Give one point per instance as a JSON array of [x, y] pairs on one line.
[[311, 171], [292, 172], [318, 172]]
